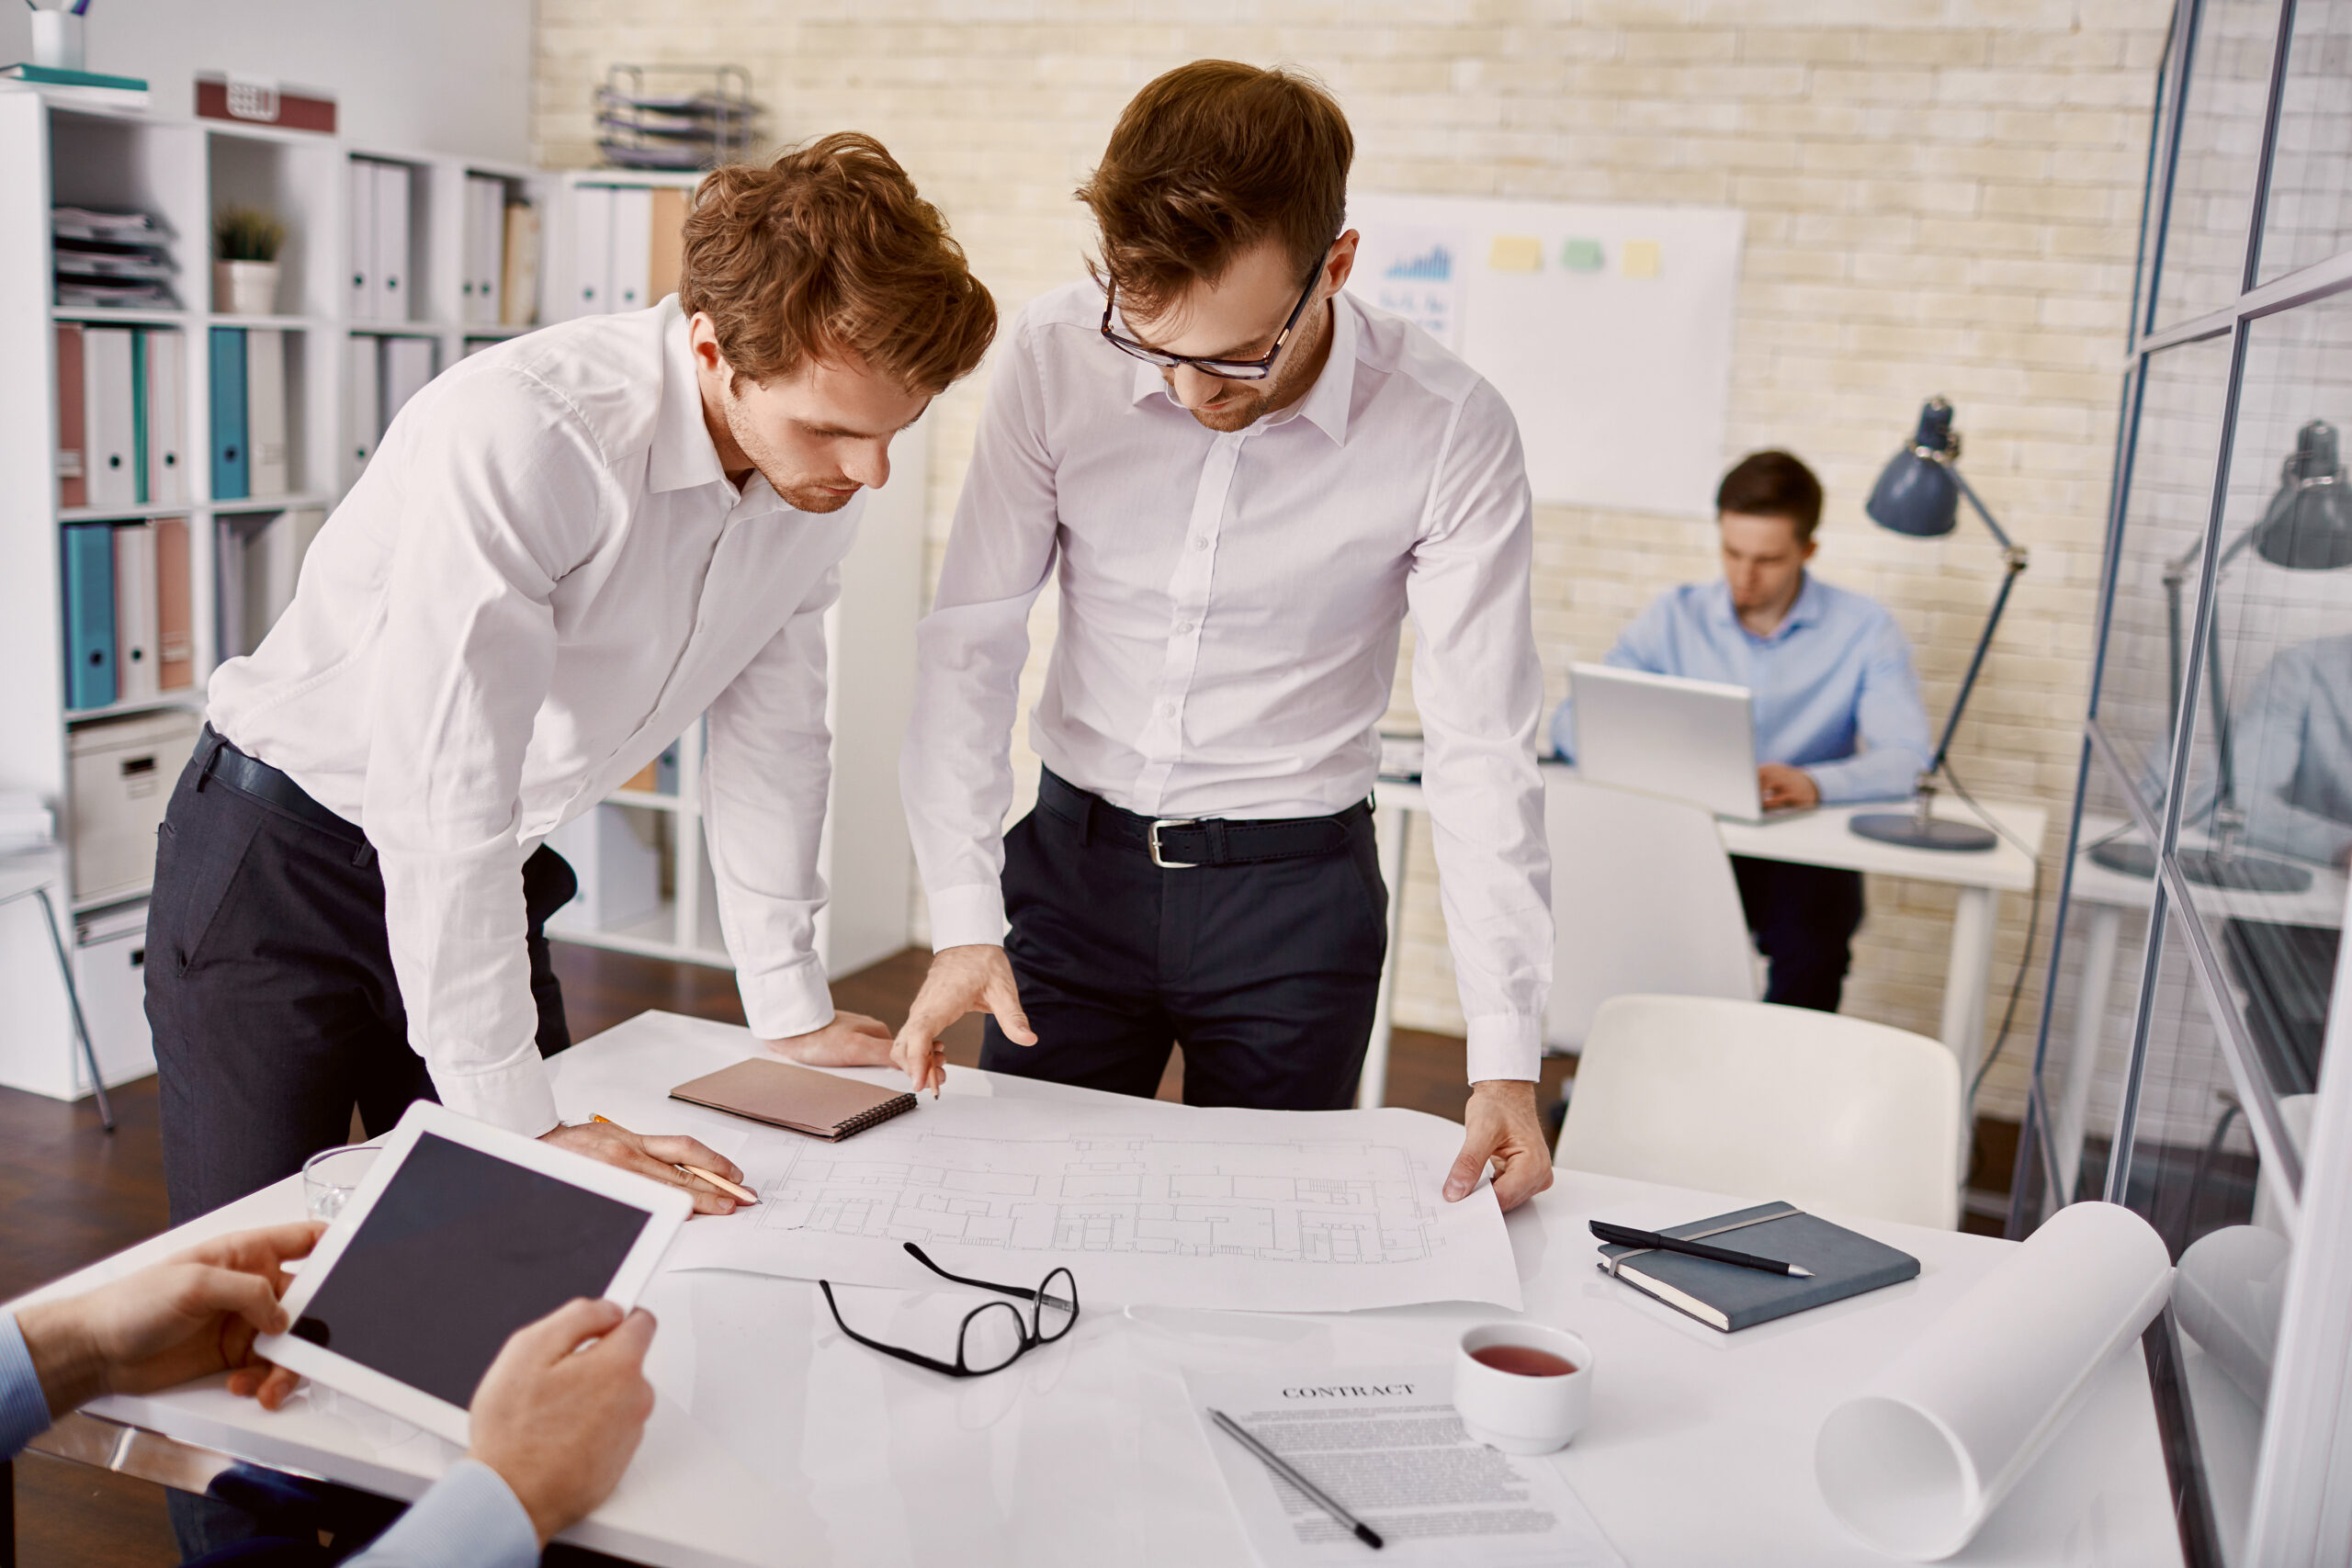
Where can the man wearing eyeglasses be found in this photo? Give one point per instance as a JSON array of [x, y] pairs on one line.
[[1240, 480]]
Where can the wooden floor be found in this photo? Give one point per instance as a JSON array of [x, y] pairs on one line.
[[70, 1194]]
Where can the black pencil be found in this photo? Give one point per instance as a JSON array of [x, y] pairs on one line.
[[1316, 1494], [1625, 1236]]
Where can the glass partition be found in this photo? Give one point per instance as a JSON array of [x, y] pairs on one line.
[[2158, 561], [2202, 264], [2307, 217]]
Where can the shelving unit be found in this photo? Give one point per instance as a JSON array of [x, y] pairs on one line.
[[182, 171]]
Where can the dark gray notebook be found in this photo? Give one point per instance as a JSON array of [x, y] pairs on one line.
[[1726, 1296]]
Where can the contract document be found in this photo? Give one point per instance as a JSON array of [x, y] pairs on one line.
[[1385, 1444], [1143, 1202]]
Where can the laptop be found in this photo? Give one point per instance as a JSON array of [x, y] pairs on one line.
[[1691, 740]]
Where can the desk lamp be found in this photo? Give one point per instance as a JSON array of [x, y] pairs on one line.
[[1918, 493], [2306, 527]]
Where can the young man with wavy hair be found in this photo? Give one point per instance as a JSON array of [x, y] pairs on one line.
[[1242, 480], [564, 549]]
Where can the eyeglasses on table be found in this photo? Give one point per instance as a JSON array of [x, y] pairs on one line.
[[994, 1335]]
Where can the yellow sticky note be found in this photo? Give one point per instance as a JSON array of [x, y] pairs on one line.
[[1642, 258], [1516, 253]]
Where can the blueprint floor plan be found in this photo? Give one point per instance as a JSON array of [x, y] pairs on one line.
[[1143, 1202], [1326, 1202]]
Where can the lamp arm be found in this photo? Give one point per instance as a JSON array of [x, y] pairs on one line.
[[2000, 538], [2015, 564]]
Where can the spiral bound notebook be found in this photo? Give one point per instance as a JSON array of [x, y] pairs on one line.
[[800, 1099]]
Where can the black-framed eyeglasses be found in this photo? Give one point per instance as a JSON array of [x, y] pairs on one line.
[[994, 1335], [1225, 370]]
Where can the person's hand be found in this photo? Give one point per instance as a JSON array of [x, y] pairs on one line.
[[559, 1428], [976, 978], [851, 1040], [194, 1313], [1501, 1125], [1781, 784], [657, 1156]]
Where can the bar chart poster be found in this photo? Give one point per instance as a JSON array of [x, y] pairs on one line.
[[1607, 328]]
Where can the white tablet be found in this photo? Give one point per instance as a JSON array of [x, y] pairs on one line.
[[460, 1236]]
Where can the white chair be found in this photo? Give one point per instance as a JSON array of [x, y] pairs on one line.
[[1643, 900], [1768, 1102]]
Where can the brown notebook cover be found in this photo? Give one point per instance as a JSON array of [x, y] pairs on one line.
[[175, 610], [72, 482], [800, 1099]]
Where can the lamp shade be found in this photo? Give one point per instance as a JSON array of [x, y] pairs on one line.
[[2307, 526], [1915, 493]]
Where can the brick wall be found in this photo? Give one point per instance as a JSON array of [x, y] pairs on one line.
[[1942, 196]]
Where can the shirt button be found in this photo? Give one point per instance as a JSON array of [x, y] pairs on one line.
[[1183, 628], [1200, 541], [1168, 710]]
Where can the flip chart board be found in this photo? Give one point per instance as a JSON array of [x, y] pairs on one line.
[[1607, 328]]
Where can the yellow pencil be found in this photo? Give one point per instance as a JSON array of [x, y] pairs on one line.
[[741, 1194]]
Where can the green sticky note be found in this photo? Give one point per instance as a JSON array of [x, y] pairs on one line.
[[1581, 255]]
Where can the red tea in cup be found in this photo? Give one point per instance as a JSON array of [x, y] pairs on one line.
[[1526, 1360]]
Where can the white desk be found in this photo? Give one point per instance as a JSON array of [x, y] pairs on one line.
[[1813, 837], [777, 1440], [2108, 894]]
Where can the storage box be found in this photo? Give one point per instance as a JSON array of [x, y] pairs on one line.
[[110, 974], [121, 778]]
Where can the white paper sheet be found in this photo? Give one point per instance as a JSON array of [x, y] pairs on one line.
[[1916, 1463], [1385, 1442], [1142, 1202]]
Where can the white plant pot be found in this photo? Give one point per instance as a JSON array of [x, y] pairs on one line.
[[58, 41], [245, 288]]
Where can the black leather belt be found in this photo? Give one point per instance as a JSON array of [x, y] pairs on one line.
[[1183, 843], [251, 776]]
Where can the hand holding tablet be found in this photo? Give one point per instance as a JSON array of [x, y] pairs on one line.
[[460, 1236]]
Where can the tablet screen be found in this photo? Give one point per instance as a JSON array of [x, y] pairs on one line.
[[461, 1250]]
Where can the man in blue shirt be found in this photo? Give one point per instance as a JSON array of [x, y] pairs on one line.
[[553, 1423], [1837, 705]]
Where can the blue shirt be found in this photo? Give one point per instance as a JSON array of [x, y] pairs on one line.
[[1833, 686], [469, 1520], [2292, 746]]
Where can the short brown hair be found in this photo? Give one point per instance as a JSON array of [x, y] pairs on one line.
[[1772, 484], [826, 252], [1210, 160]]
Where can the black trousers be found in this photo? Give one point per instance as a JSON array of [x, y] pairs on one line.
[[1804, 918], [270, 989], [1266, 973]]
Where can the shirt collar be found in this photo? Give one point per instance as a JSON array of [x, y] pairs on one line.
[[1808, 609], [1327, 402], [683, 456]]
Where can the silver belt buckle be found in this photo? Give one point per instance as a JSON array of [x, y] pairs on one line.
[[1171, 823]]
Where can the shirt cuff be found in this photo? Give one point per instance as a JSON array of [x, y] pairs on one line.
[[972, 915], [781, 1003], [472, 1518], [1506, 1045], [24, 1409], [518, 1098]]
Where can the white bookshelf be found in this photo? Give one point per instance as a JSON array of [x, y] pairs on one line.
[[183, 172]]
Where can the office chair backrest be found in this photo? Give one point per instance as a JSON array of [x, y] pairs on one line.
[[1766, 1103], [1643, 900]]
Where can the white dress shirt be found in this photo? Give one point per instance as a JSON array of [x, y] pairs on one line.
[[1229, 614], [540, 579]]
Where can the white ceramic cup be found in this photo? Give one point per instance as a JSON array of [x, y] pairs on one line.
[[1515, 1412]]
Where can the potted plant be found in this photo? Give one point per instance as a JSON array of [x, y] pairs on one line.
[[247, 240]]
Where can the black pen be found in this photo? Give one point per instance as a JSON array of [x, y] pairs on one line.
[[1625, 1236], [1316, 1494]]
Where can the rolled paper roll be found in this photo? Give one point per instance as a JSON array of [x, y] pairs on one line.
[[1916, 1463]]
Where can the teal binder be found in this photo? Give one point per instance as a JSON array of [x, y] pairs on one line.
[[89, 616], [139, 416], [1728, 1297], [232, 464]]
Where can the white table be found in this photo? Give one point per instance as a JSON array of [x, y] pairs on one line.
[[776, 1441], [1812, 837], [2108, 894]]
